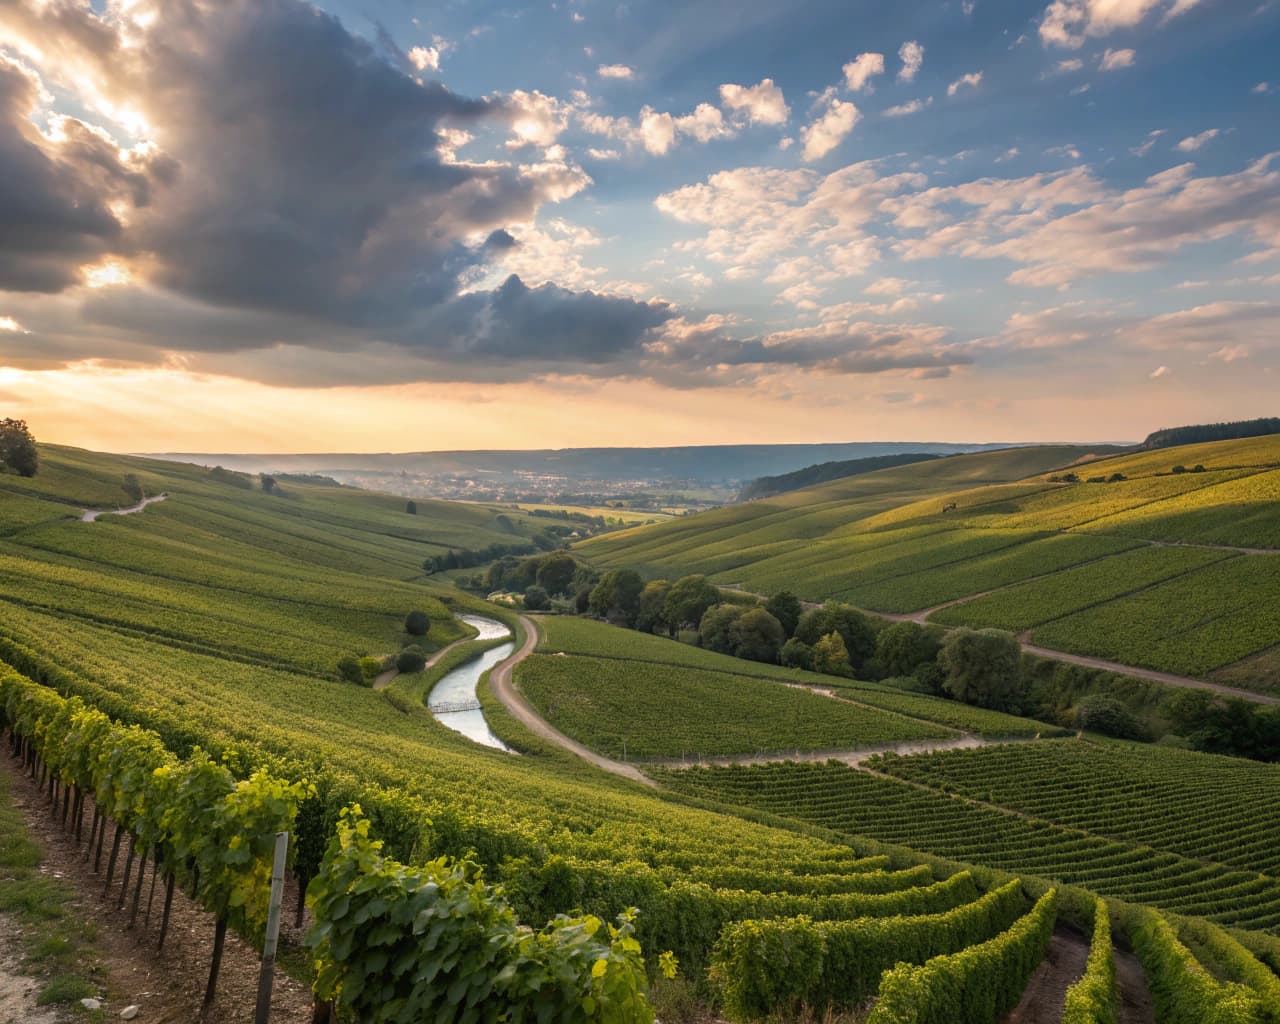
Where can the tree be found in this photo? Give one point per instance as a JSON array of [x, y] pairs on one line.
[[416, 623], [617, 595], [904, 646], [536, 599], [411, 507], [1102, 713], [649, 610], [757, 635], [715, 631], [854, 628], [132, 487], [269, 484], [983, 667], [796, 653], [18, 448], [555, 573], [411, 659], [687, 601], [785, 607], [830, 656]]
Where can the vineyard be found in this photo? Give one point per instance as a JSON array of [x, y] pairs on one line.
[[1117, 557], [170, 682]]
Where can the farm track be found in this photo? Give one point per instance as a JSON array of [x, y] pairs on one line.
[[383, 679], [500, 682], [91, 515], [853, 758], [1044, 997], [1135, 1005]]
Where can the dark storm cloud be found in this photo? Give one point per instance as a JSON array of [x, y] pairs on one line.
[[298, 193]]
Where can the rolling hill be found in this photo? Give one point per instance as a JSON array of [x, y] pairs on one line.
[[1119, 556]]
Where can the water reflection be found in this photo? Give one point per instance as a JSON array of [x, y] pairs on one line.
[[459, 685]]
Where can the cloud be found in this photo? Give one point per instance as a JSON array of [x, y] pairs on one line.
[[231, 227], [1067, 23], [1230, 353], [425, 58], [1145, 147], [1160, 371], [1069, 65], [11, 326], [657, 132], [615, 71], [972, 80], [911, 54], [1262, 88], [1113, 60], [603, 154], [762, 103], [859, 71], [910, 107], [1193, 142], [829, 129]]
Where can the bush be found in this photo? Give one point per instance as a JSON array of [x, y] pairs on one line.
[[349, 669], [796, 653], [370, 669], [830, 656], [416, 623], [411, 507], [1111, 717], [536, 599], [410, 660]]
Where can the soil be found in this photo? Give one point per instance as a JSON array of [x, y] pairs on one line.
[[167, 986], [1063, 964], [1135, 1006], [17, 991]]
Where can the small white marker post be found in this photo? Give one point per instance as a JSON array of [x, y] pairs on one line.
[[267, 975]]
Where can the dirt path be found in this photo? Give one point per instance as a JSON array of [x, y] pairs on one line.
[[500, 682], [383, 679], [1167, 678], [18, 991], [90, 515], [853, 758], [167, 986], [1046, 991], [1134, 1004]]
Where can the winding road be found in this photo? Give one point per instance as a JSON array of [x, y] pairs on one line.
[[504, 688], [90, 515]]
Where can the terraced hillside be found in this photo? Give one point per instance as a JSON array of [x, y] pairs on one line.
[[1172, 571], [213, 619]]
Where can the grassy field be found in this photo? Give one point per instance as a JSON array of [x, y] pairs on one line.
[[598, 640], [642, 710], [1087, 566]]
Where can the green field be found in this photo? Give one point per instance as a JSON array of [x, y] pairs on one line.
[[1093, 568], [647, 710]]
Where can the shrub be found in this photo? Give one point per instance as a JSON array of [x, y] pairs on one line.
[[1109, 716], [830, 656], [536, 599], [349, 669], [796, 653], [416, 623], [410, 660], [370, 669]]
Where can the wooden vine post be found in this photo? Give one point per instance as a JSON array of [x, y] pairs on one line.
[[267, 974]]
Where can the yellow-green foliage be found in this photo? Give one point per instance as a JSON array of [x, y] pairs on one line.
[[974, 986], [1238, 963], [1092, 999], [1183, 991]]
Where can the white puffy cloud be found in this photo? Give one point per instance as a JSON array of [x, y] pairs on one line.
[[1113, 60], [657, 131], [829, 129], [911, 54], [10, 325], [1066, 23], [762, 103], [910, 107], [615, 71], [859, 71], [536, 119], [972, 80], [425, 58], [1193, 142]]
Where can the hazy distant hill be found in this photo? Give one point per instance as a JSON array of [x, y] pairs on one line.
[[704, 464], [811, 476]]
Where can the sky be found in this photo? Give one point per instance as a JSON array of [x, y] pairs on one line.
[[380, 225]]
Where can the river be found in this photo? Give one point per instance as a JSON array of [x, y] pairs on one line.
[[459, 685]]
